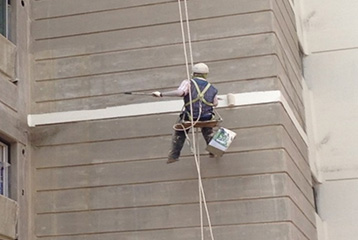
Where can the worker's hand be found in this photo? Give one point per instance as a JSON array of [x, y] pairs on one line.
[[157, 94]]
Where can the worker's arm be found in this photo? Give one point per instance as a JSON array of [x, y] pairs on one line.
[[180, 92], [216, 101], [174, 93]]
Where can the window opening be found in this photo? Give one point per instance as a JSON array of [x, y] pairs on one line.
[[4, 17], [4, 169]]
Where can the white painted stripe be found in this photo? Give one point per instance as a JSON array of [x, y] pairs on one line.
[[106, 113], [294, 119], [241, 99]]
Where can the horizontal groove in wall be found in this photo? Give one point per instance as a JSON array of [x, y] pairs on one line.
[[140, 160], [141, 69], [49, 100], [297, 111], [290, 12], [120, 93], [286, 25], [287, 217], [288, 51], [6, 73], [145, 26], [144, 90], [186, 203], [155, 182], [175, 204], [269, 196], [297, 185], [163, 229], [293, 141], [184, 156], [111, 79], [161, 181], [294, 65], [282, 61], [172, 65], [7, 106], [296, 95], [288, 132], [101, 74], [147, 136], [147, 46], [295, 107], [168, 134], [303, 175], [8, 90], [97, 11]]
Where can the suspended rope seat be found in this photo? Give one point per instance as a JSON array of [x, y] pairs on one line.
[[187, 124], [182, 125]]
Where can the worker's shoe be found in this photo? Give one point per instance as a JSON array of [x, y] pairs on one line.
[[172, 160]]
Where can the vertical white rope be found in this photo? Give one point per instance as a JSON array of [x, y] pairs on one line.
[[183, 39], [187, 71], [200, 195], [188, 33], [195, 151], [206, 209], [190, 99]]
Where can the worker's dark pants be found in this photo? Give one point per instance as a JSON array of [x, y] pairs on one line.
[[179, 137]]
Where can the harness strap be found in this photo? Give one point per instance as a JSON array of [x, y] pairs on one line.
[[201, 94]]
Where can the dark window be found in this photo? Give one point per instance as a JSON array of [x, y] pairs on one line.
[[4, 169], [4, 17]]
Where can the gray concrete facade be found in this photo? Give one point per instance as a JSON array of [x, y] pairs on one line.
[[15, 221], [108, 179]]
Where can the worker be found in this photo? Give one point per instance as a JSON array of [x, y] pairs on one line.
[[203, 95]]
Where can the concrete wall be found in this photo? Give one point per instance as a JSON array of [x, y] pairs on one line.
[[9, 93], [331, 73], [8, 218], [14, 96], [108, 178]]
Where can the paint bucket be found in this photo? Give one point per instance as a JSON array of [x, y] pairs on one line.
[[221, 141]]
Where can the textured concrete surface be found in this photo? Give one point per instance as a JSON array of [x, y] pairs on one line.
[[108, 179], [7, 59], [15, 220], [331, 75], [8, 218]]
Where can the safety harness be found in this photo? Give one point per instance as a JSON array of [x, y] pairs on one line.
[[200, 95], [203, 107]]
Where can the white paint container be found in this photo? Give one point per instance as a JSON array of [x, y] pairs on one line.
[[221, 141]]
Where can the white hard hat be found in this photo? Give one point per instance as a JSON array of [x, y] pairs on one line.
[[200, 68]]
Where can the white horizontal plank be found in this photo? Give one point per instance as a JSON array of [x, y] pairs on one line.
[[158, 107]]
